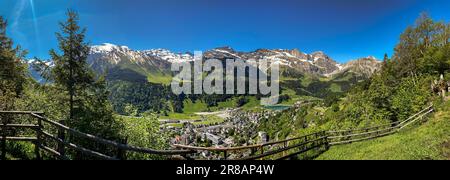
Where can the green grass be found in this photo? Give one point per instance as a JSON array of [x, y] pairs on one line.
[[306, 81], [231, 103], [345, 77], [252, 103], [292, 95], [430, 140], [159, 78], [335, 87], [181, 116], [227, 104], [294, 98], [190, 109], [198, 106], [208, 120]]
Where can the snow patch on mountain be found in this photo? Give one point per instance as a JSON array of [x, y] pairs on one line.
[[364, 66], [108, 47], [169, 56], [117, 53], [227, 52]]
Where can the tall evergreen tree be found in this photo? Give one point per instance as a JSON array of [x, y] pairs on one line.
[[386, 58], [71, 70], [385, 61], [89, 108]]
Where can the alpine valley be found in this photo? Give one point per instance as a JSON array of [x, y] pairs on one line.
[[112, 102], [141, 78]]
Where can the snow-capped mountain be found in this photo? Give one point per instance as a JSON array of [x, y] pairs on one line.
[[364, 66], [116, 54], [169, 56], [33, 63], [120, 61], [315, 63], [108, 54], [117, 60]]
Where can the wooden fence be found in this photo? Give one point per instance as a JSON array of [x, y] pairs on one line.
[[355, 135], [61, 144], [260, 151], [55, 142], [295, 146]]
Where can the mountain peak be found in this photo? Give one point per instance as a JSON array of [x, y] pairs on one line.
[[364, 66], [320, 55], [108, 47], [295, 52]]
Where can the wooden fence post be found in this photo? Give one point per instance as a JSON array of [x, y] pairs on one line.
[[285, 145], [38, 141], [327, 143], [62, 136], [225, 155], [253, 151], [121, 153]]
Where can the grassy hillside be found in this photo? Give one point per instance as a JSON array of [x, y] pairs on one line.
[[318, 87], [430, 140], [159, 78]]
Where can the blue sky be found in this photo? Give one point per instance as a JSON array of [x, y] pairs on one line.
[[344, 29]]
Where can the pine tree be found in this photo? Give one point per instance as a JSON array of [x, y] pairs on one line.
[[89, 108], [12, 70], [385, 61], [71, 70], [386, 58]]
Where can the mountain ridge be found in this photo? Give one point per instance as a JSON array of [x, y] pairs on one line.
[[155, 63], [317, 62]]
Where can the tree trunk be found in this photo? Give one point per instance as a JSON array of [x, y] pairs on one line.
[[71, 105], [71, 87]]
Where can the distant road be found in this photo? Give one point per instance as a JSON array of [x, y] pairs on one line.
[[222, 114]]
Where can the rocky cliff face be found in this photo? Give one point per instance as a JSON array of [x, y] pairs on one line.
[[364, 66]]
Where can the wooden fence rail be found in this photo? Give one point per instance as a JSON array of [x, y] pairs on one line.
[[349, 136], [42, 137], [277, 150]]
